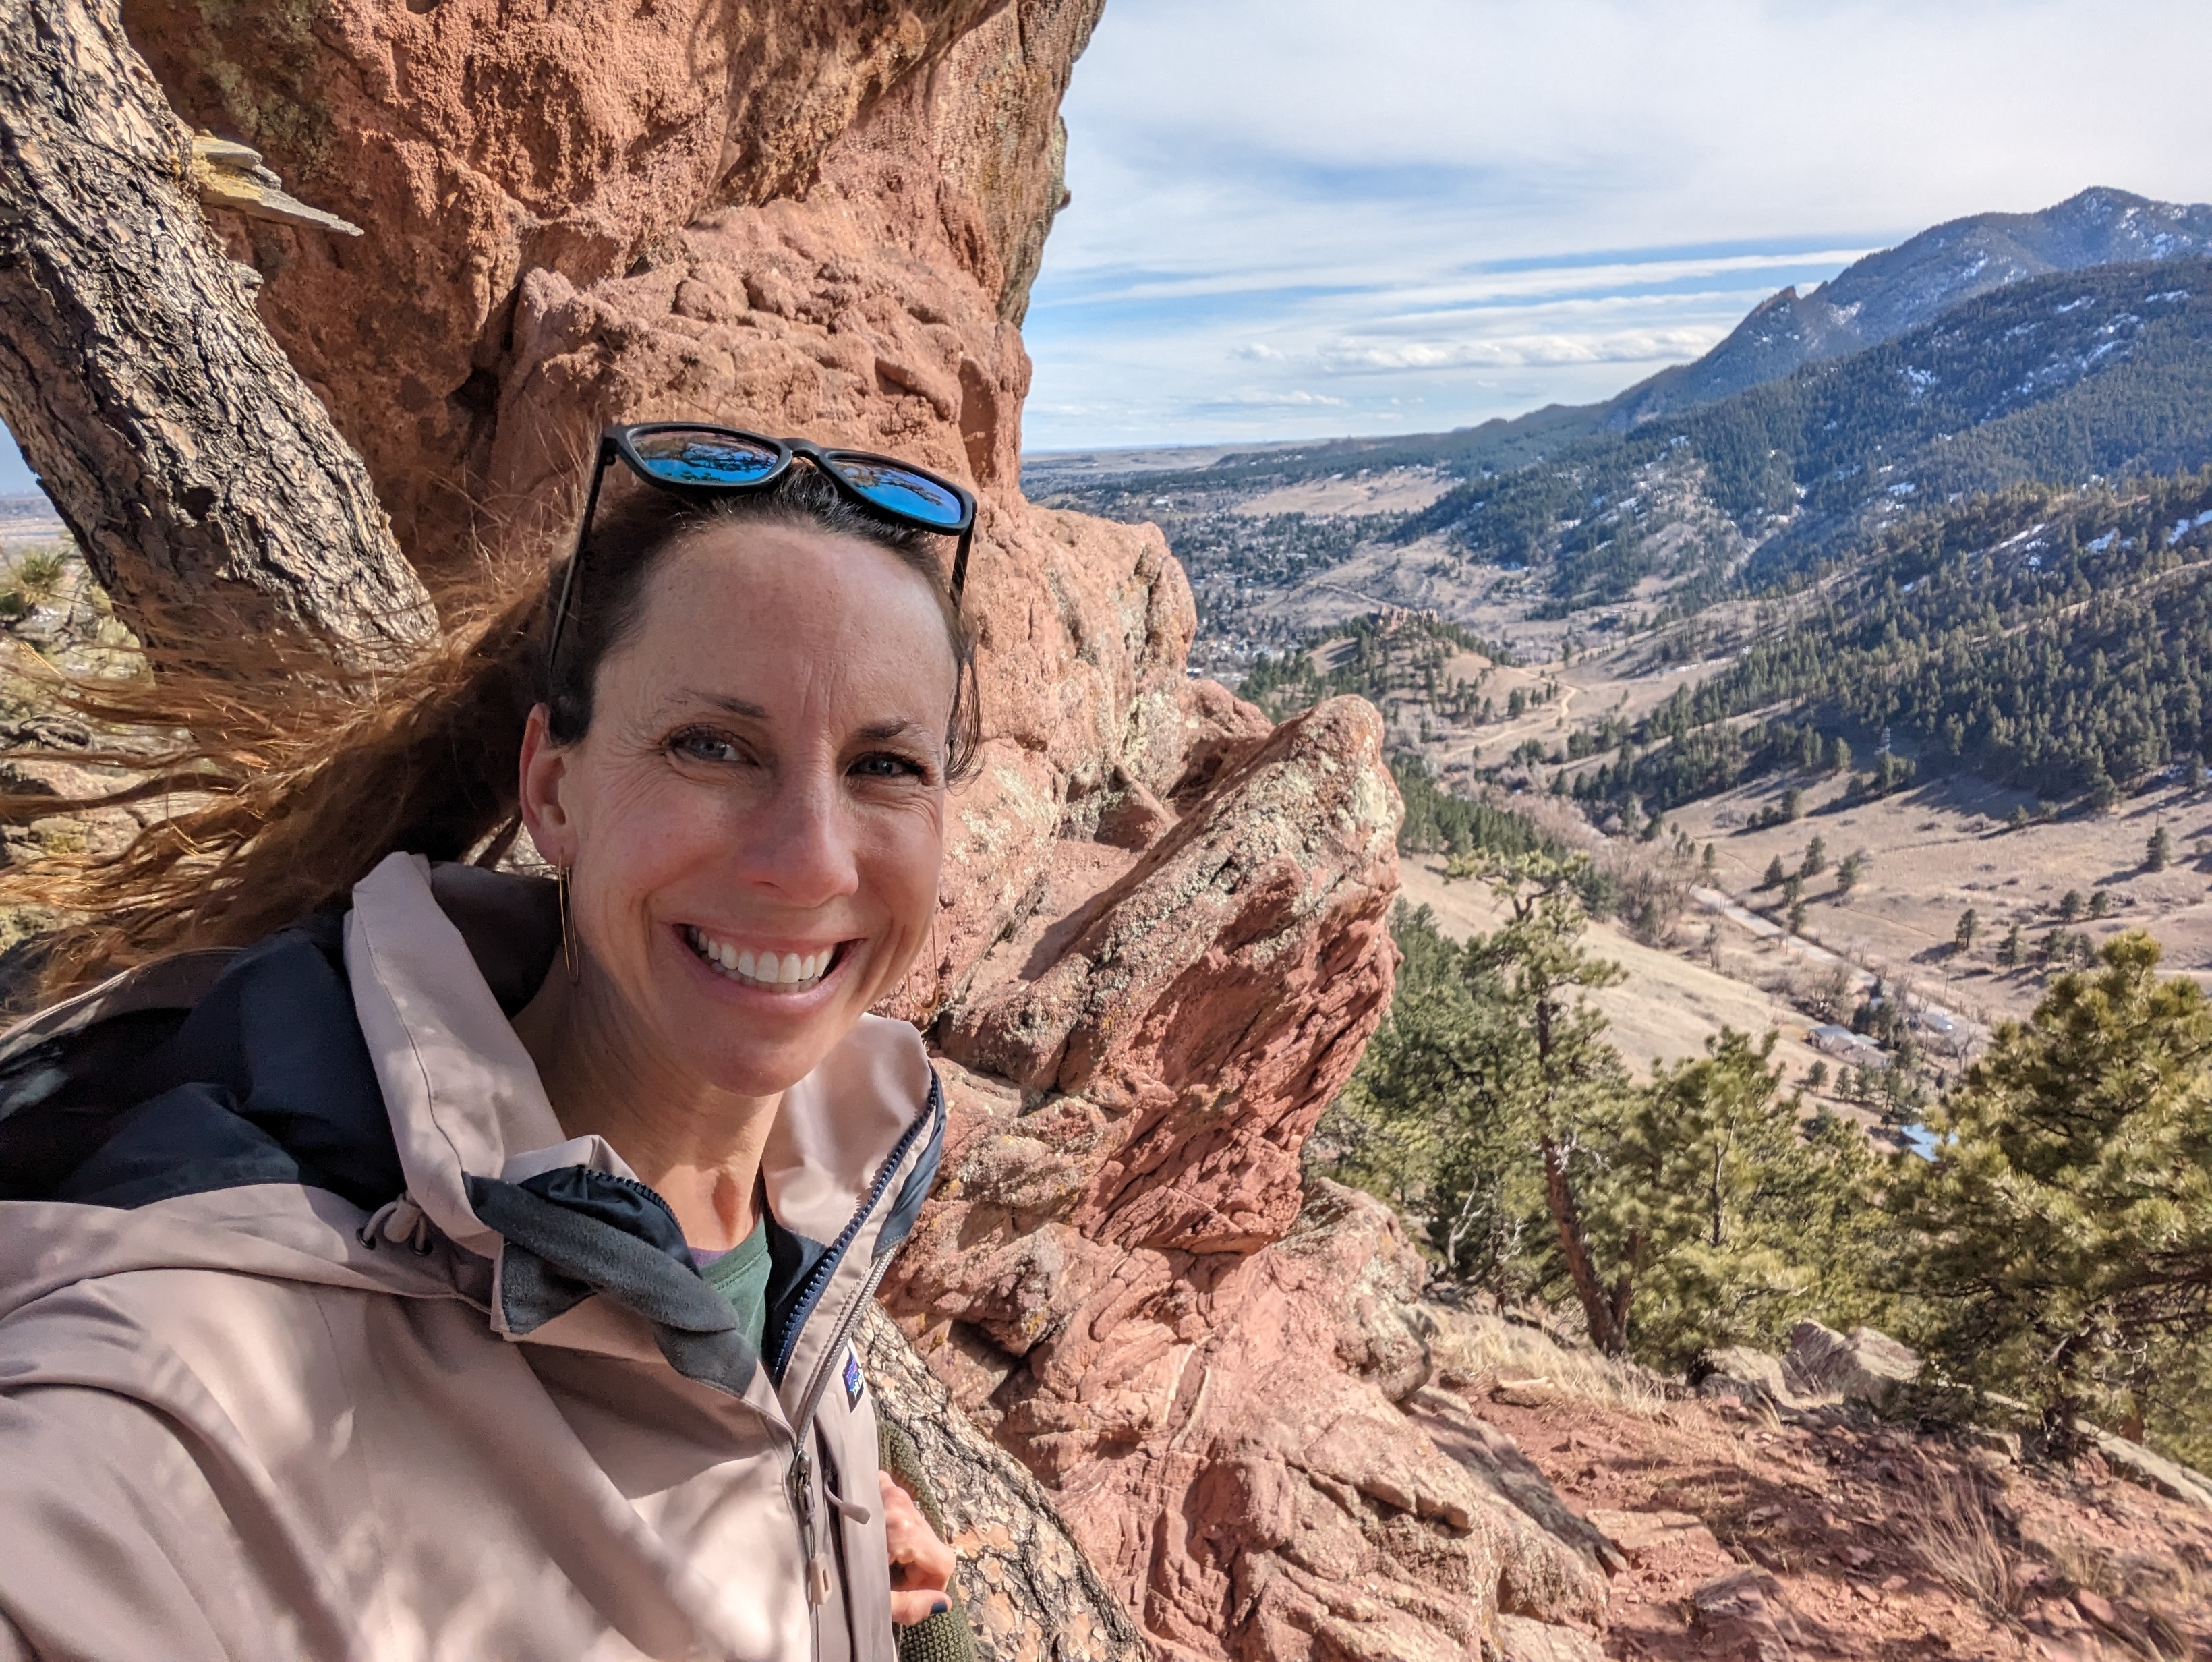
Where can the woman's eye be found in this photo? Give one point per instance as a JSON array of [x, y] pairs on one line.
[[884, 765], [700, 747]]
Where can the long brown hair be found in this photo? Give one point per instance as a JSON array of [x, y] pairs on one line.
[[285, 781]]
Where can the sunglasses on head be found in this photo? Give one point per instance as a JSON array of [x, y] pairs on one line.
[[692, 459]]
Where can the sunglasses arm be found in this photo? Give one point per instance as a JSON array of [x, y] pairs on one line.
[[575, 560], [960, 563]]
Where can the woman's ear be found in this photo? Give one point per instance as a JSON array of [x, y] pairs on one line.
[[545, 770]]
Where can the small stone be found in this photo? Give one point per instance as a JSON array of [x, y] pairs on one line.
[[1639, 1534], [1742, 1616], [1525, 1393]]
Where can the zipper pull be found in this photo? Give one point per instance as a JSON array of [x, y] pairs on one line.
[[801, 1482]]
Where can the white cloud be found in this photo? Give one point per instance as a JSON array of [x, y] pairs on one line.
[[1277, 188], [1626, 346], [1294, 399]]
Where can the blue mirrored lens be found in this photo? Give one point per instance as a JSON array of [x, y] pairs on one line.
[[692, 456], [901, 489]]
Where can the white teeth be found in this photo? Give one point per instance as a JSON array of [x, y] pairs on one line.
[[785, 970]]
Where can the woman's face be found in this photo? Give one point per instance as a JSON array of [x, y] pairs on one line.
[[754, 823]]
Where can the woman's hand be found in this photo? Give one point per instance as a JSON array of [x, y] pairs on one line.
[[921, 1565]]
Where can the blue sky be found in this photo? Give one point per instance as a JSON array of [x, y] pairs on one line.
[[1294, 218]]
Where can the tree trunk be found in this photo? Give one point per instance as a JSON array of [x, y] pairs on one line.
[[1558, 1193], [1028, 1590], [202, 478]]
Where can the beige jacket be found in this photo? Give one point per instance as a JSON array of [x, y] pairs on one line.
[[317, 1339]]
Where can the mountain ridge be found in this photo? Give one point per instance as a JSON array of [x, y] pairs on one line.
[[1888, 293]]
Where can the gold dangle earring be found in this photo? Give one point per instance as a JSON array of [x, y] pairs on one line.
[[568, 927], [906, 981], [936, 968]]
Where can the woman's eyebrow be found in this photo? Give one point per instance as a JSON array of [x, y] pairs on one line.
[[734, 706], [890, 730]]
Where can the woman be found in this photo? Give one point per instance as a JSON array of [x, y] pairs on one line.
[[409, 1259]]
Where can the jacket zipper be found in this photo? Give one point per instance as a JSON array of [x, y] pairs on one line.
[[799, 1479], [801, 1476], [818, 1279]]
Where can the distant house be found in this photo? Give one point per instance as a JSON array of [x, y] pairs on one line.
[[1856, 1049]]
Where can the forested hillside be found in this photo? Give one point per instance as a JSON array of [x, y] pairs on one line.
[[2054, 641], [2063, 379]]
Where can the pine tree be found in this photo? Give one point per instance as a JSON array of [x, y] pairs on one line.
[[2070, 906], [1776, 873], [1699, 1251], [1565, 1082], [2059, 1241], [2009, 952], [1849, 873], [1969, 925], [1709, 863], [2158, 854], [1816, 858], [2100, 902]]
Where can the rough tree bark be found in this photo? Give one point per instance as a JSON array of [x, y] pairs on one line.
[[201, 476], [1030, 1594]]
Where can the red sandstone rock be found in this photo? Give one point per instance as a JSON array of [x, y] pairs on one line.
[[477, 144]]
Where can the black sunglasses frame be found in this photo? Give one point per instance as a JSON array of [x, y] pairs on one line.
[[620, 443]]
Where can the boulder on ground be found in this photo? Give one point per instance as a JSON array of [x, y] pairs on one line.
[[2155, 1471], [1861, 1366], [1753, 1378]]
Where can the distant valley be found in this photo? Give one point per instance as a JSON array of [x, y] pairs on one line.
[[1912, 573]]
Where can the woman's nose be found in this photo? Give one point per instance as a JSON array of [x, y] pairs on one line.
[[801, 845]]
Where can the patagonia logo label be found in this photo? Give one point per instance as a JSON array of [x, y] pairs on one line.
[[852, 1379]]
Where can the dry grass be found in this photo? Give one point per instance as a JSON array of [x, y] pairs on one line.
[[1953, 1533], [1473, 1349]]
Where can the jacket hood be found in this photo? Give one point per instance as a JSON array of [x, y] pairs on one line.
[[301, 1107]]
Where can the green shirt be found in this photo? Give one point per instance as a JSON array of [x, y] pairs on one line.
[[740, 1275]]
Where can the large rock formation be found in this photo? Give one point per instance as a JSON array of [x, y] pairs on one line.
[[1161, 938]]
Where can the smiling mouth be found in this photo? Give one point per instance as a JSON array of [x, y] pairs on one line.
[[774, 972]]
